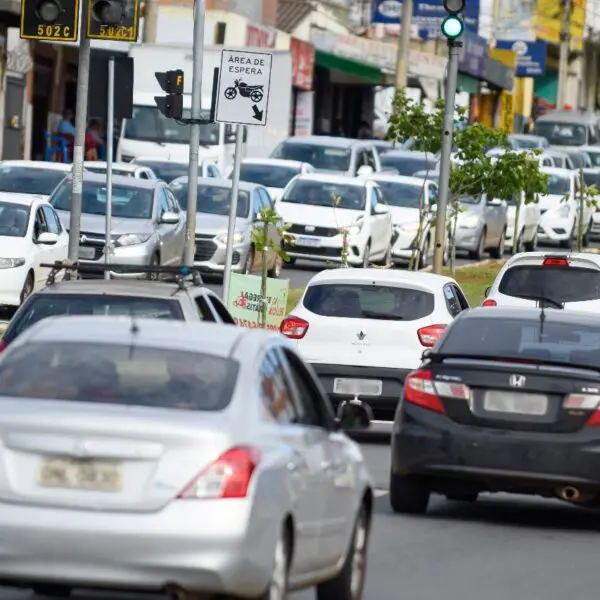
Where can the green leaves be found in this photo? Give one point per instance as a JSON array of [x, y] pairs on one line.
[[268, 218]]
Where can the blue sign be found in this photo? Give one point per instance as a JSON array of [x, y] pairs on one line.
[[531, 56], [427, 15], [471, 59]]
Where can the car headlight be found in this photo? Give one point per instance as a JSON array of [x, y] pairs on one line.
[[468, 222], [562, 211], [132, 239], [127, 158], [238, 237], [355, 229], [408, 227], [11, 263]]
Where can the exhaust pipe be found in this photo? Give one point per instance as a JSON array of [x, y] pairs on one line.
[[570, 493]]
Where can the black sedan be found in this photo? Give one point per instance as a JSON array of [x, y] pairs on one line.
[[508, 401]]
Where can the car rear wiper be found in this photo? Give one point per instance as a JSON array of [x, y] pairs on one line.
[[541, 299], [383, 316]]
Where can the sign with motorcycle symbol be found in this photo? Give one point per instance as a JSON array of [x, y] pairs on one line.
[[244, 83]]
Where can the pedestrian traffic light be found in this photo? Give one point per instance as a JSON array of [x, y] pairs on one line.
[[170, 105], [53, 20], [113, 20], [453, 25]]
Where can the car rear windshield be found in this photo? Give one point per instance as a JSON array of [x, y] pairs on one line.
[[323, 193], [274, 176], [41, 306], [406, 195], [577, 344], [321, 157], [559, 185], [407, 165], [355, 301], [119, 374], [212, 199], [561, 284], [167, 171], [29, 180], [561, 134]]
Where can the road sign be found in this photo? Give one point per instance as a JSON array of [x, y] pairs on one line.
[[244, 83]]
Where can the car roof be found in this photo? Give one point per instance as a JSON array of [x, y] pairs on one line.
[[330, 178], [325, 140], [411, 154], [381, 276], [22, 199], [556, 171], [528, 313], [277, 162], [244, 186], [410, 180], [121, 166], [38, 164], [122, 180]]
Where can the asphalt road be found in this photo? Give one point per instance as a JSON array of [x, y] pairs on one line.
[[501, 547]]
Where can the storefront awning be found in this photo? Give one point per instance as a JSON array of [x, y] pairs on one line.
[[367, 73], [468, 84]]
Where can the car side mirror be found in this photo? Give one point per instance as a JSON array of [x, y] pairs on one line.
[[487, 291], [365, 171], [353, 415], [169, 218], [47, 238], [381, 209]]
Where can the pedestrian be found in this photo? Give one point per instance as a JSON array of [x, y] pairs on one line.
[[66, 125], [95, 133]]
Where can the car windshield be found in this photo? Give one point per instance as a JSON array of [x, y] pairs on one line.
[[591, 178], [127, 202], [594, 156], [561, 284], [407, 165], [14, 219], [520, 338], [561, 134], [323, 193], [29, 180], [578, 160], [324, 158], [101, 170], [212, 199], [357, 301], [401, 194], [167, 171], [148, 124], [42, 306], [101, 373], [272, 176], [559, 185]]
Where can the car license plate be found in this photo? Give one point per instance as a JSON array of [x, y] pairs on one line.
[[86, 253], [308, 241], [515, 403], [358, 387], [80, 475]]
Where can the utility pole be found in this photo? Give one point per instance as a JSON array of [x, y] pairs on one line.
[[565, 47], [150, 22], [404, 45], [196, 116]]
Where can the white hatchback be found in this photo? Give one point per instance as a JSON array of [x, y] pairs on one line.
[[363, 331], [32, 176], [527, 226]]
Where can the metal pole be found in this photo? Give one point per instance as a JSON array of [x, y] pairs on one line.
[[563, 60], [150, 22], [83, 78], [235, 185], [196, 114], [110, 115], [442, 206], [404, 45]]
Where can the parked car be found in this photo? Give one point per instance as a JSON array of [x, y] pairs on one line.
[[593, 152], [213, 206], [408, 162], [169, 170], [578, 158], [31, 234], [31, 176], [199, 458], [333, 155], [123, 169], [567, 128], [560, 159], [148, 227], [321, 207], [544, 159], [522, 141], [527, 226], [363, 331], [591, 177]]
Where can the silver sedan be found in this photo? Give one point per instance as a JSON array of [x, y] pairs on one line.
[[191, 459]]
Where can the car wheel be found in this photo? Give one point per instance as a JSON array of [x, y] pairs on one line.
[[366, 256], [349, 584], [498, 252], [278, 585], [424, 254], [154, 262], [249, 262], [568, 244], [275, 272], [27, 287], [477, 254], [586, 235], [531, 245], [408, 494], [446, 257], [52, 591]]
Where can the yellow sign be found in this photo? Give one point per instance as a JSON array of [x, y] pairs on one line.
[[507, 112], [548, 22], [127, 31]]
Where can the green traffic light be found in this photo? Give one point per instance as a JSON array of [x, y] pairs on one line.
[[452, 27]]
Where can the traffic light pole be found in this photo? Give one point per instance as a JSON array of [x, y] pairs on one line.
[[110, 113], [196, 116], [442, 204], [83, 77]]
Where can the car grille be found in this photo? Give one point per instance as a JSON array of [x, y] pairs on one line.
[[308, 251], [205, 248], [95, 241], [318, 231]]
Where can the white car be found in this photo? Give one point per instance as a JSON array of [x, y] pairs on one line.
[[567, 280], [169, 170], [591, 177], [560, 209], [272, 173], [32, 176], [323, 209], [527, 226], [123, 169], [30, 234], [363, 331]]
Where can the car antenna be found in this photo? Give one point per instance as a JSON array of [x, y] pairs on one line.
[[542, 313], [133, 330]]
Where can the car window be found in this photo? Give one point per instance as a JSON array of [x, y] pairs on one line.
[[452, 301], [464, 303], [380, 198], [267, 202], [275, 392], [357, 301], [370, 158], [163, 202], [212, 199], [269, 175], [14, 219], [592, 136], [172, 201], [40, 226], [360, 161], [547, 162], [373, 200], [323, 193], [325, 158], [29, 180], [433, 194], [51, 220], [204, 309], [221, 311]]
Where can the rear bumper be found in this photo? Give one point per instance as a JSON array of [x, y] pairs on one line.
[[429, 444], [384, 406]]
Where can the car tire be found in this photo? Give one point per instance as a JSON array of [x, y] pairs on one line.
[[408, 494], [569, 243], [249, 262], [52, 591], [424, 254], [587, 235], [275, 272], [154, 262], [278, 586], [366, 255], [27, 287], [498, 252], [531, 246], [349, 583], [477, 254]]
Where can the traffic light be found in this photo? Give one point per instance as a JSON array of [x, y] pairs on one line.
[[53, 20], [170, 105], [113, 19], [453, 25]]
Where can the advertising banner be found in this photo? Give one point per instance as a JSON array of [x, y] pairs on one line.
[[531, 56]]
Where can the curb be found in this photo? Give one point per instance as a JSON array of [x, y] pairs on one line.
[[481, 263]]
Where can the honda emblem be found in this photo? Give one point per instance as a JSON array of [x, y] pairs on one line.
[[518, 381]]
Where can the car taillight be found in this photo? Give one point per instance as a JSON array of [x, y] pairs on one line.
[[420, 389], [555, 261], [3, 345], [227, 477], [428, 336], [587, 402], [489, 303], [294, 327]]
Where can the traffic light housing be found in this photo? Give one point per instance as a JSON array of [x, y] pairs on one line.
[[52, 20], [170, 105], [113, 19], [453, 25]]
